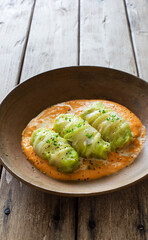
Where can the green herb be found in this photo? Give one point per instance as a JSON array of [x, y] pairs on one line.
[[103, 111], [87, 135], [90, 162], [47, 141], [113, 115], [89, 167], [107, 119], [117, 118], [79, 125], [68, 130], [66, 118]]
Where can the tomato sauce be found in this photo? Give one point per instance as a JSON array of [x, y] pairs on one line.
[[89, 168]]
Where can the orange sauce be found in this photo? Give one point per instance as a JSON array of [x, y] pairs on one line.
[[89, 168]]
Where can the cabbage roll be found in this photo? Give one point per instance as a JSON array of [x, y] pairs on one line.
[[50, 146], [85, 139], [113, 128]]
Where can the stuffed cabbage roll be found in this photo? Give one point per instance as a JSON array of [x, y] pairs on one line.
[[113, 128], [85, 139], [50, 146]]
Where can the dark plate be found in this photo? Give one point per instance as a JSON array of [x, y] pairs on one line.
[[34, 95]]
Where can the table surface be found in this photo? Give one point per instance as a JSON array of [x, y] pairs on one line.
[[39, 35]]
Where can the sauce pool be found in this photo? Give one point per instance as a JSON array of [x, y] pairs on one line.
[[89, 168]]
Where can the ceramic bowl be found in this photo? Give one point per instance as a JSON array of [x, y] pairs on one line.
[[34, 95]]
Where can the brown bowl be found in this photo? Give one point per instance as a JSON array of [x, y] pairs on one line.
[[31, 97]]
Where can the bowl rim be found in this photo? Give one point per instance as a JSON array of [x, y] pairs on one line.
[[32, 78], [57, 192]]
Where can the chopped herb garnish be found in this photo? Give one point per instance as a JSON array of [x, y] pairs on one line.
[[68, 130], [103, 111], [90, 162], [87, 135], [107, 119], [66, 118], [48, 141], [89, 167], [117, 118], [79, 125]]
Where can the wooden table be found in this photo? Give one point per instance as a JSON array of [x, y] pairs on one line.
[[39, 35]]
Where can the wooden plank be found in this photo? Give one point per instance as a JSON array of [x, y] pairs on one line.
[[120, 215], [104, 35], [113, 216], [15, 18], [137, 12], [138, 20], [33, 214], [53, 38], [105, 40], [29, 214], [13, 15]]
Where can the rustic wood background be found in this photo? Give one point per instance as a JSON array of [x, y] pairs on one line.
[[39, 35]]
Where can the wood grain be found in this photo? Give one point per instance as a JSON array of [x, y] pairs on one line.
[[114, 216], [138, 20], [124, 214], [53, 40], [104, 40], [104, 35], [13, 15], [14, 23], [33, 214], [29, 214], [120, 215]]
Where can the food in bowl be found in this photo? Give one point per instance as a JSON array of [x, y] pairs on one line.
[[84, 138], [95, 138], [50, 146]]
